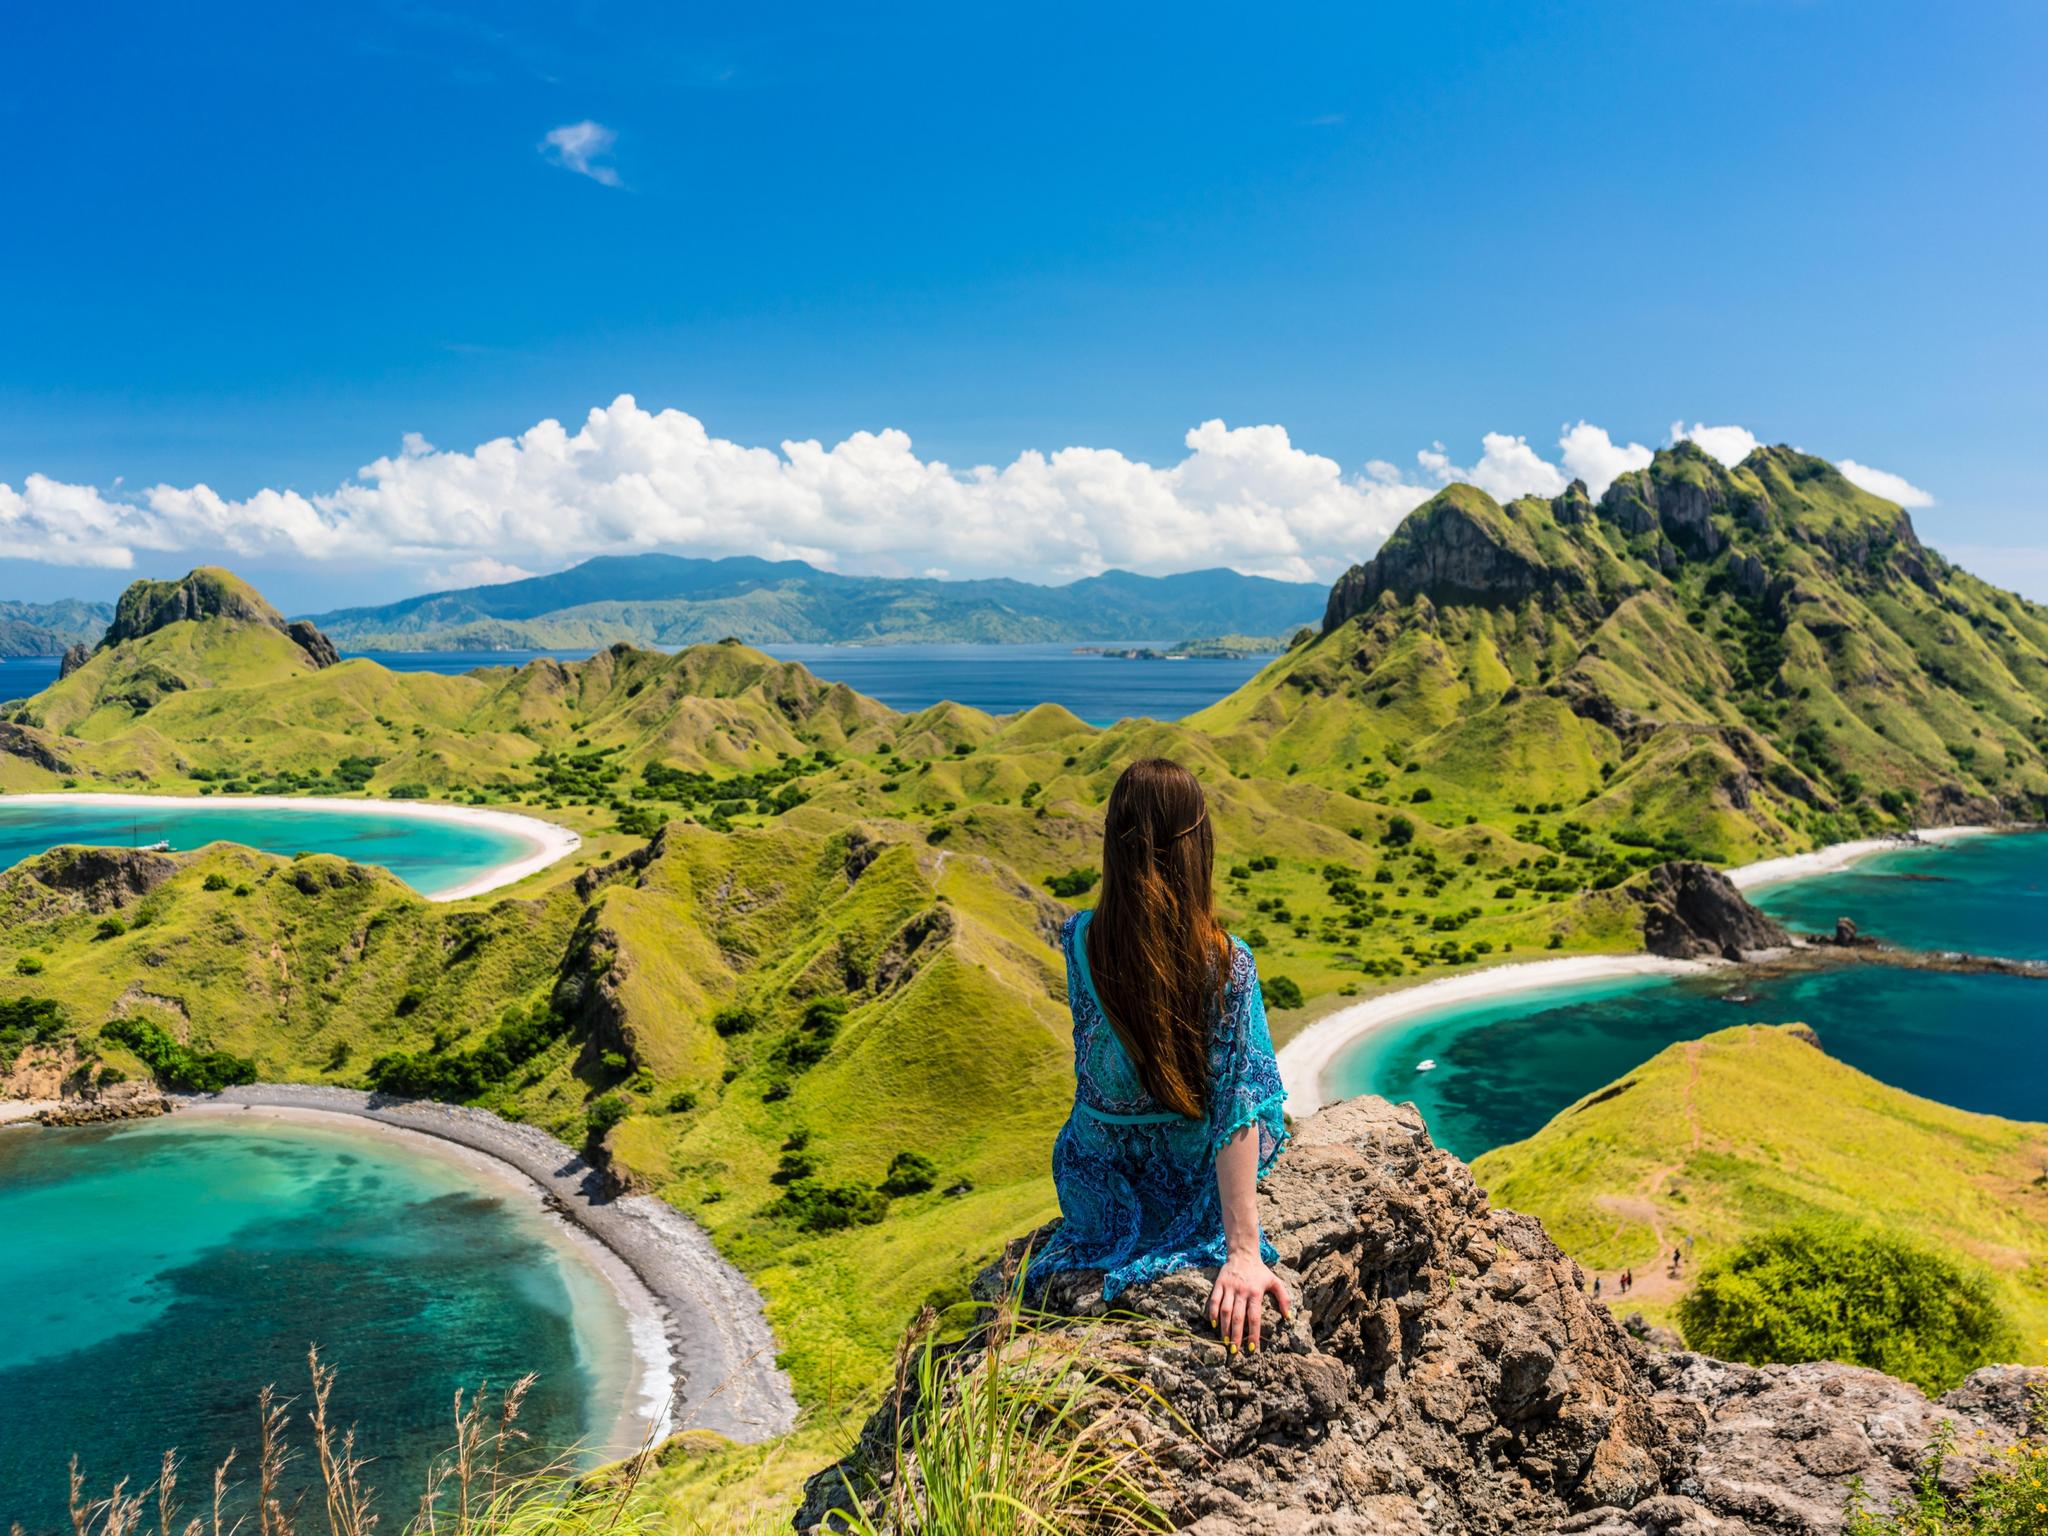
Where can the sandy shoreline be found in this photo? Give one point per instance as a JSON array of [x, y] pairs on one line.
[[1838, 856], [546, 842], [706, 1355], [1305, 1058]]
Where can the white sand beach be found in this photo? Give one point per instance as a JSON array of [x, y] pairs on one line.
[[706, 1356], [1305, 1058], [1836, 856], [545, 841]]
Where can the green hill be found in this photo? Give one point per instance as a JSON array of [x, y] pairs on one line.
[[50, 629], [1755, 1127], [670, 600], [807, 933], [1738, 659]]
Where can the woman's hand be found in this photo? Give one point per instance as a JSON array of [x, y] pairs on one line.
[[1235, 1303]]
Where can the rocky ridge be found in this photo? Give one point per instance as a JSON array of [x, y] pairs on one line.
[[1447, 1374], [205, 593]]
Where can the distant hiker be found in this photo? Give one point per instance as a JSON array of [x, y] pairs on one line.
[[1627, 1279], [1177, 1096], [1596, 1287]]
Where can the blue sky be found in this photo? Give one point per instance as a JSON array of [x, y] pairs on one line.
[[253, 247]]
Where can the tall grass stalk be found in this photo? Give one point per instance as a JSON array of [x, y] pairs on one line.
[[1040, 1437]]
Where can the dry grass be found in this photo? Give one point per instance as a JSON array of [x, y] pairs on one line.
[[489, 1482]]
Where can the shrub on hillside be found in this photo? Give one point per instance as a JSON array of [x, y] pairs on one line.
[[1075, 882], [1280, 992], [182, 1068], [1850, 1292], [910, 1173]]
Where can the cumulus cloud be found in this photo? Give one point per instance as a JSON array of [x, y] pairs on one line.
[[1594, 457], [1731, 445], [1508, 467], [1882, 482], [628, 479], [582, 148]]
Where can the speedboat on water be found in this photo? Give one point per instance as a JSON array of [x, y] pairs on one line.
[[1428, 1064]]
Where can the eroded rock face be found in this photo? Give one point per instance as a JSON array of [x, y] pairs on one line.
[[1693, 912], [101, 879], [1447, 1373]]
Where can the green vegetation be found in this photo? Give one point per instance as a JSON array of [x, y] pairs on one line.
[[1031, 1439], [1847, 1291], [806, 933], [2002, 1495], [1749, 1131], [182, 1068]]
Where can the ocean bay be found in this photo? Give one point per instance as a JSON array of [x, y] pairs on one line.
[[1505, 1065]]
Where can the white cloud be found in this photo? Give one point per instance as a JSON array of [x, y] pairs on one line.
[[1508, 467], [1594, 457], [1882, 482], [580, 147], [484, 571], [1731, 445], [628, 479]]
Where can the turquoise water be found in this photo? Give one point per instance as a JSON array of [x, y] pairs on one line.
[[428, 854], [1986, 895], [176, 1266], [1980, 1042]]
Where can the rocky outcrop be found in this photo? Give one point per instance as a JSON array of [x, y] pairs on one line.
[[100, 879], [318, 648], [32, 746], [123, 1101], [74, 657], [1694, 912], [1447, 1374], [1459, 547], [207, 593]]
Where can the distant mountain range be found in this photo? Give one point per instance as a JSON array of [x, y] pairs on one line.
[[48, 629], [671, 600]]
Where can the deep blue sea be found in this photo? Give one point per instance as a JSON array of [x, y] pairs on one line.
[[1979, 1042], [154, 1277], [1001, 679]]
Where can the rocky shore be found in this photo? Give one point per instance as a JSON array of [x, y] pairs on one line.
[[722, 1353], [1446, 1373]]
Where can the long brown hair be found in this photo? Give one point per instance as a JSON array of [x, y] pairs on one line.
[[1159, 958]]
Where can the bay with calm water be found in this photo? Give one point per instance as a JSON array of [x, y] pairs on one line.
[[1001, 679], [171, 1268], [431, 854], [1504, 1067]]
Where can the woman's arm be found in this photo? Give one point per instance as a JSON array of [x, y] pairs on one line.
[[1244, 1282]]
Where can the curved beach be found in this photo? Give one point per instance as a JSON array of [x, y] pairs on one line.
[[545, 841], [706, 1354], [1305, 1058]]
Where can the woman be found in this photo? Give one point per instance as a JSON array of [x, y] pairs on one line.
[[1176, 1096]]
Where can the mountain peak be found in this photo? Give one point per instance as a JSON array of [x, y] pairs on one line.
[[1460, 546], [207, 592]]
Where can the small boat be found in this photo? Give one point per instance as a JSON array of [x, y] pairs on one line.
[[1427, 1064], [162, 846]]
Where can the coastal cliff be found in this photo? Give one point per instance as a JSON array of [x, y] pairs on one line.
[[1447, 1373]]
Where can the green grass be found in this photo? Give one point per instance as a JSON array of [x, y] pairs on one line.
[[1752, 1129], [1429, 787]]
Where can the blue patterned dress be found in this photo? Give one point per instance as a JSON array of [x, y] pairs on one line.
[[1137, 1182]]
